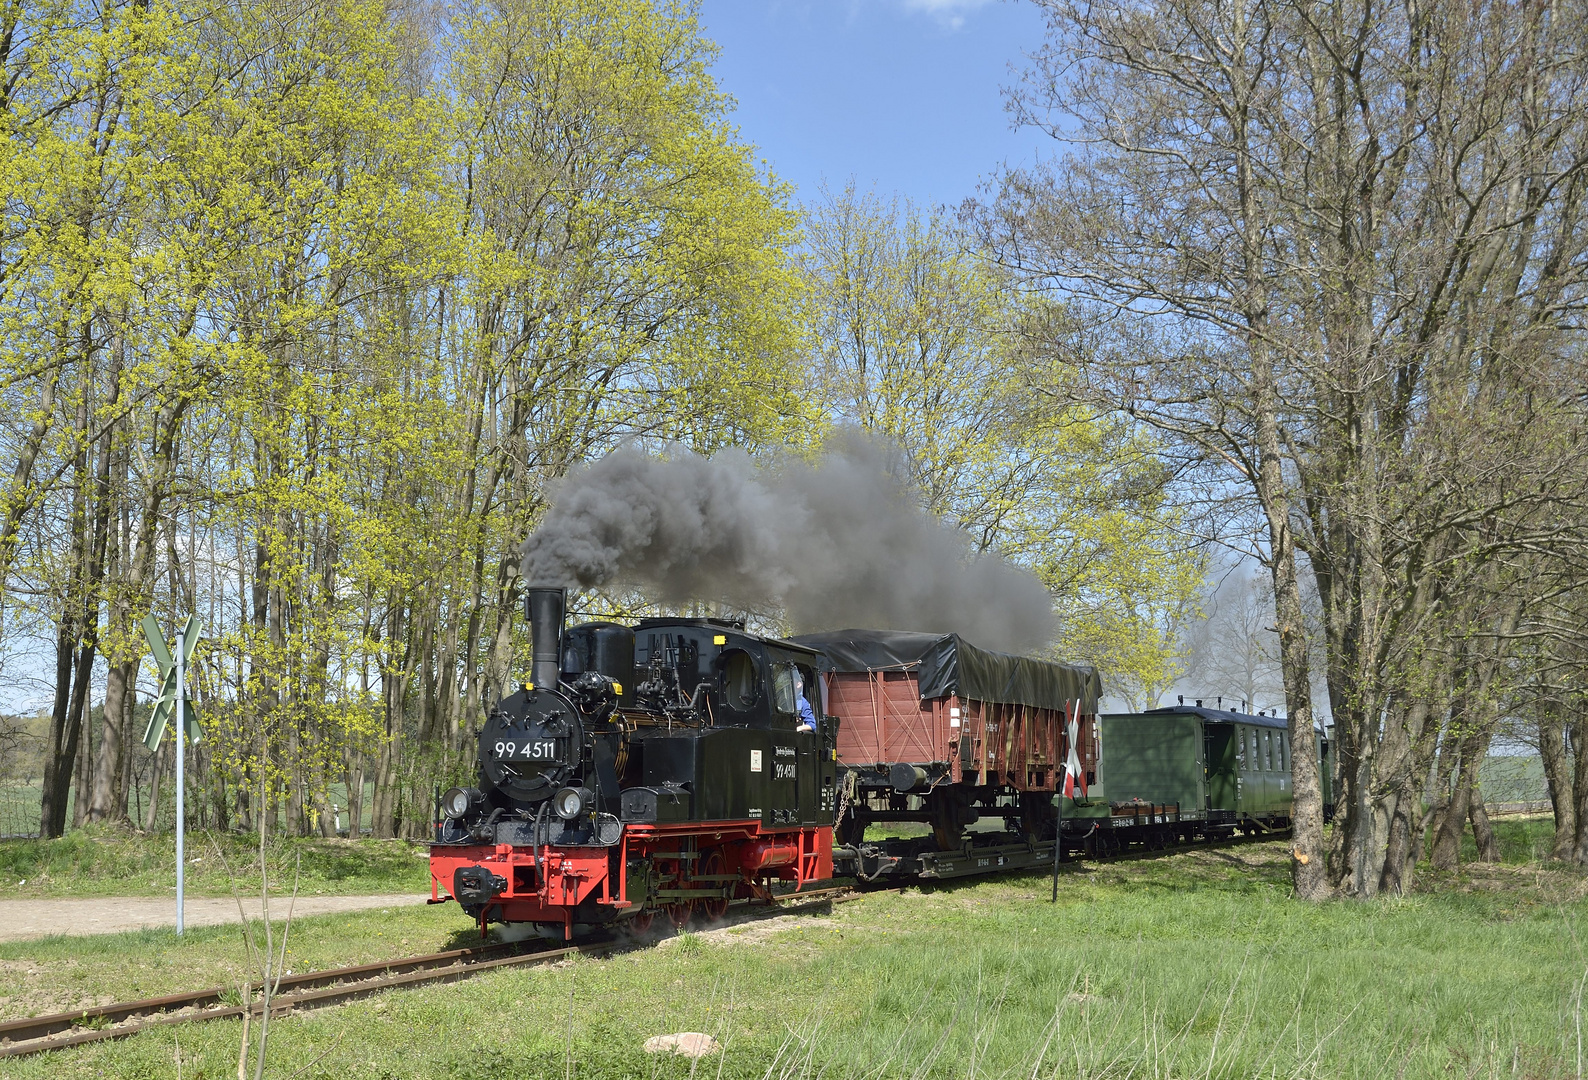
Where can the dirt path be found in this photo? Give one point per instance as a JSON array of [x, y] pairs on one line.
[[22, 919]]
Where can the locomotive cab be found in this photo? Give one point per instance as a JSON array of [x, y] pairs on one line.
[[732, 747]]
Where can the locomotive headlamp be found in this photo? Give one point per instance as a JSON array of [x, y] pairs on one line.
[[572, 802], [458, 802]]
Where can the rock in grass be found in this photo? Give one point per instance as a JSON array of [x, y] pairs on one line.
[[691, 1044]]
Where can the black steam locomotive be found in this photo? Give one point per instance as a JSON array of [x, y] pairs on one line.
[[672, 766]]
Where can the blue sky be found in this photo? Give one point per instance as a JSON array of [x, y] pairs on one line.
[[902, 95]]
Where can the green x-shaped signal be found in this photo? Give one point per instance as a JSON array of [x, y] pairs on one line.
[[165, 704]]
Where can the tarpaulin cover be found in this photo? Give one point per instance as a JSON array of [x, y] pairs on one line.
[[948, 664]]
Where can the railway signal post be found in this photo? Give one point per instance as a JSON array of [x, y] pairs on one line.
[[173, 698]]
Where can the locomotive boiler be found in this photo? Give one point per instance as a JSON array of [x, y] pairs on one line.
[[669, 767]]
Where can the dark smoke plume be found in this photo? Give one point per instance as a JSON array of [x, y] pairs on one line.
[[835, 544]]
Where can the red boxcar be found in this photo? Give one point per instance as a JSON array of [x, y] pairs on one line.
[[933, 729]]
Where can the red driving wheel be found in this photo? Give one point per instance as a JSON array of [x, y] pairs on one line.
[[679, 913], [639, 924], [714, 908]]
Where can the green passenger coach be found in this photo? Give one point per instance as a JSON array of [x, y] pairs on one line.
[[1197, 771]]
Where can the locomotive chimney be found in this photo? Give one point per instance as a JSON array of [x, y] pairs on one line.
[[545, 610]]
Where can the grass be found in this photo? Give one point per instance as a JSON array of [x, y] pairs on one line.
[[1513, 779], [115, 862], [1523, 838], [1191, 965]]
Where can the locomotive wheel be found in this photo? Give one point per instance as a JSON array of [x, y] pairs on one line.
[[641, 923], [713, 908], [679, 913]]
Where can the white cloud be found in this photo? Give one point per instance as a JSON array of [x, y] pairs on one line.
[[950, 13]]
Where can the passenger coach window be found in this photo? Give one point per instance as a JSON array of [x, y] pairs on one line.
[[1240, 748], [739, 687], [1268, 750]]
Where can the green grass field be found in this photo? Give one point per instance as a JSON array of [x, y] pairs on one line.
[[1191, 965], [115, 862]]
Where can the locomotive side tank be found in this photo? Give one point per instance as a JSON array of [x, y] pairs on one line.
[[664, 768]]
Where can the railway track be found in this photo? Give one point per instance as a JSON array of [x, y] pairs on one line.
[[37, 1034]]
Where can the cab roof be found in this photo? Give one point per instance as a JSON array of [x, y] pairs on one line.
[[734, 626]]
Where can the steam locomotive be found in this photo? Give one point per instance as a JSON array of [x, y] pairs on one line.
[[668, 767]]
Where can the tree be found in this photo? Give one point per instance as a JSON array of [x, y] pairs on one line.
[[1233, 652], [919, 340], [1335, 248]]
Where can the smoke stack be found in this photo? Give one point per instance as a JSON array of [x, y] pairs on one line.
[[545, 608]]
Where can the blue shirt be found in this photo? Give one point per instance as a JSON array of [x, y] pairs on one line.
[[807, 717]]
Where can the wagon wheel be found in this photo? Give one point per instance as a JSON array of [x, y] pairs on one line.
[[1037, 818], [639, 924], [948, 809], [713, 908], [679, 913]]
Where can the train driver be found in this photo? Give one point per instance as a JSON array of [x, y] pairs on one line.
[[807, 718]]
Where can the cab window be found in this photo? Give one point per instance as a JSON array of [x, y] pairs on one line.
[[783, 689], [813, 689], [740, 686]]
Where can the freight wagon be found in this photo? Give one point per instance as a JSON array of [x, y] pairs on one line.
[[971, 742]]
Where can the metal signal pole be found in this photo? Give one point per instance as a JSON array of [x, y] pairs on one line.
[[173, 701], [181, 776]]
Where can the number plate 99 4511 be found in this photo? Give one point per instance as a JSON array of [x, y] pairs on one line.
[[528, 750]]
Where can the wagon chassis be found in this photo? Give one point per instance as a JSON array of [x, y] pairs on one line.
[[1137, 833]]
